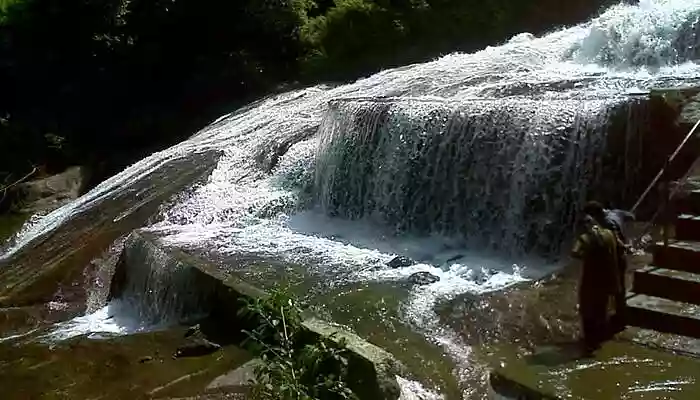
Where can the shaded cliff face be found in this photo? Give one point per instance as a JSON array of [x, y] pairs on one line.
[[543, 15]]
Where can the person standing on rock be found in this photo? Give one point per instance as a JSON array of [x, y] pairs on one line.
[[599, 250]]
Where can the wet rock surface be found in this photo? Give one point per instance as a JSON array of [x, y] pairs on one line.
[[46, 194], [529, 313], [239, 379], [423, 278], [197, 344], [135, 366], [22, 320], [56, 260], [400, 262], [619, 369]]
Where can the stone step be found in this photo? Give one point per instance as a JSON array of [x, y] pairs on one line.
[[688, 227], [679, 256], [668, 284], [689, 204], [662, 315]]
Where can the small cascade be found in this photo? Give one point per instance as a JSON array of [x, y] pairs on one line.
[[156, 288], [150, 290]]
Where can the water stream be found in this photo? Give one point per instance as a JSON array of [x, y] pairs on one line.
[[473, 165]]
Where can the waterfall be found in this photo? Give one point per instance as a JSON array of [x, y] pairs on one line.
[[158, 288], [504, 174], [493, 150], [496, 148], [472, 165]]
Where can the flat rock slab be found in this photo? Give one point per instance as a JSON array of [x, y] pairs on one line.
[[239, 378], [619, 370], [129, 367]]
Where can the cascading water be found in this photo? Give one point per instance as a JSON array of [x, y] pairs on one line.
[[493, 150], [152, 289], [498, 173]]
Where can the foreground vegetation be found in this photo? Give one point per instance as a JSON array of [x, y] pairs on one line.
[[293, 369], [102, 83]]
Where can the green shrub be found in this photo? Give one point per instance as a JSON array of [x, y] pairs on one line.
[[292, 369]]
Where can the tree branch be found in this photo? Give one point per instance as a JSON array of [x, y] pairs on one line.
[[17, 182], [5, 188]]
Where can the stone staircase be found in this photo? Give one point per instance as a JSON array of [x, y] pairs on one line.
[[665, 294]]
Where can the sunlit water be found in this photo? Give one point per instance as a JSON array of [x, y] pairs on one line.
[[473, 156]]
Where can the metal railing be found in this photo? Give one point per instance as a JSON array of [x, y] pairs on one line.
[[668, 194]]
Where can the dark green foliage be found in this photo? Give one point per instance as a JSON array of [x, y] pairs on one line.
[[115, 79], [292, 369], [358, 37]]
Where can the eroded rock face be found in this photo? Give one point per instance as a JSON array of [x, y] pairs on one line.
[[669, 116], [238, 379]]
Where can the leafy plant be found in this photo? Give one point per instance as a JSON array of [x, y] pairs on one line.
[[293, 369]]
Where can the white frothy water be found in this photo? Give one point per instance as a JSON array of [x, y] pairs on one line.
[[105, 322], [412, 390], [551, 90], [24, 233], [497, 173]]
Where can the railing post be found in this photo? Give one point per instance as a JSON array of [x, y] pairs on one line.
[[665, 203], [664, 191]]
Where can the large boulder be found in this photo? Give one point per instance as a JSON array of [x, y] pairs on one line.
[[55, 261], [46, 194]]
